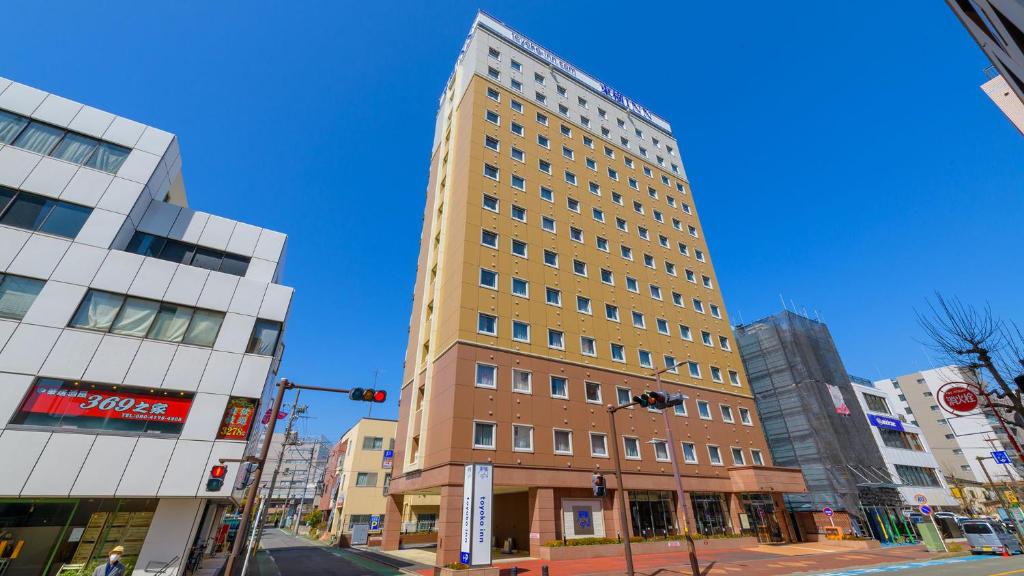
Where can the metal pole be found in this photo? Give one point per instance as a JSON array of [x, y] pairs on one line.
[[691, 547], [280, 456], [623, 520], [243, 522], [1002, 500], [252, 539]]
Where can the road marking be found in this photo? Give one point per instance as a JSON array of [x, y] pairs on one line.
[[908, 565], [1008, 573]]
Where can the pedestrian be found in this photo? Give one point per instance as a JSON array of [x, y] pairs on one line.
[[113, 566]]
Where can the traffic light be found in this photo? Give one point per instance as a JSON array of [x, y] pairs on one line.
[[216, 480], [643, 400], [659, 400], [368, 395], [597, 484]]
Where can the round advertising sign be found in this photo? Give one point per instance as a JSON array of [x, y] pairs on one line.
[[827, 511], [960, 399], [920, 498]]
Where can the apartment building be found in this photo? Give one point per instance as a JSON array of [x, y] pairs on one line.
[[562, 263], [962, 444], [137, 337], [908, 459]]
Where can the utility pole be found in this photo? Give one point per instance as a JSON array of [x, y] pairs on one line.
[[621, 489], [302, 501], [285, 442], [1002, 499]]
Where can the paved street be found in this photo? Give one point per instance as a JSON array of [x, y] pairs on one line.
[[291, 556], [961, 566]]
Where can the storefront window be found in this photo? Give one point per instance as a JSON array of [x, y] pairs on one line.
[[711, 513], [758, 518], [653, 513]]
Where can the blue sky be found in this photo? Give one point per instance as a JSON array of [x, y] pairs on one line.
[[841, 153]]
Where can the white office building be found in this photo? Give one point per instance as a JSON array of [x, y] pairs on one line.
[[904, 449], [961, 444], [137, 337]]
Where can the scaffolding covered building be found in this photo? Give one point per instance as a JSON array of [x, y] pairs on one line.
[[813, 421]]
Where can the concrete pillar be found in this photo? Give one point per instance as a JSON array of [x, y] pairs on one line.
[[735, 508], [392, 522], [543, 524], [449, 525], [782, 516], [170, 534], [618, 529]]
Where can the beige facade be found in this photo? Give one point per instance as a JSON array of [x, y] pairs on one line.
[[999, 91], [562, 263]]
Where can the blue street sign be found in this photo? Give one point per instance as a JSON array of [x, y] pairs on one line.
[[926, 510], [1001, 457], [828, 511], [464, 557], [375, 522], [885, 422]]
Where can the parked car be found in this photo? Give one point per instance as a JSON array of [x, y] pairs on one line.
[[989, 536]]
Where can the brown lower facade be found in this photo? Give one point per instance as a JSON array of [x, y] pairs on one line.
[[544, 424]]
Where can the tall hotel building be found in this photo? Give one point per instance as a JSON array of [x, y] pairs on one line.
[[137, 337], [561, 264]]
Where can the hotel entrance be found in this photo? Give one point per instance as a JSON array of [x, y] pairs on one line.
[[758, 518]]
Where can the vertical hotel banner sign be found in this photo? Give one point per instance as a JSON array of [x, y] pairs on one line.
[[477, 503]]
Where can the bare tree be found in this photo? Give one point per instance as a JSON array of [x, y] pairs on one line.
[[972, 337]]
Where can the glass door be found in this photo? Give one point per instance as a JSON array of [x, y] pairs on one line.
[[760, 512]]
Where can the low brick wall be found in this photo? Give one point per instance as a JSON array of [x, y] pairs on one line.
[[661, 546], [419, 538], [846, 543]]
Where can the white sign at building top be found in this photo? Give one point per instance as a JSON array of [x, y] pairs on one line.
[[546, 55]]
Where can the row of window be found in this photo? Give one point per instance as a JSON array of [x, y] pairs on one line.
[[189, 254], [41, 214], [49, 140], [541, 82], [522, 383], [485, 438], [130, 316]]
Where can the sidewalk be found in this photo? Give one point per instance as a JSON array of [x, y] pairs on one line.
[[746, 562]]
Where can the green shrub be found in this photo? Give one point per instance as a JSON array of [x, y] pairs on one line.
[[458, 566]]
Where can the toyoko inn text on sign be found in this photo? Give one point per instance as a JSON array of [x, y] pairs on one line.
[[477, 501]]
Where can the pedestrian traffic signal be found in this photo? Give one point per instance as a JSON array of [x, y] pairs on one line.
[[216, 480], [597, 484], [368, 395]]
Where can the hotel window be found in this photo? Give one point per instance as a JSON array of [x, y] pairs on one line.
[[655, 292], [621, 224], [632, 285], [547, 224], [723, 343], [598, 214], [520, 331], [493, 94], [579, 268], [585, 121], [543, 141], [518, 213], [130, 316], [583, 304], [631, 448], [699, 255], [642, 232], [553, 296], [694, 370], [542, 119], [680, 409], [551, 258], [591, 164], [598, 445], [756, 457], [487, 324], [647, 169], [645, 359], [493, 53], [486, 376], [660, 450], [716, 374], [538, 79], [692, 231], [602, 244], [737, 457], [483, 435], [683, 249], [691, 276], [572, 204], [626, 252], [490, 203], [540, 97], [727, 416], [698, 306], [611, 312], [522, 381], [522, 438], [745, 418], [628, 161], [517, 66], [567, 152], [556, 339], [518, 183], [563, 442], [581, 101], [491, 171], [264, 339], [670, 364], [617, 198], [677, 224], [492, 143], [40, 214], [588, 142], [715, 311], [607, 276], [677, 299], [649, 261], [566, 131], [517, 85], [705, 337], [715, 455], [638, 320], [618, 353], [593, 392], [686, 208], [595, 188], [559, 387], [61, 144], [670, 268], [662, 325], [703, 410], [684, 332], [689, 453], [587, 346], [602, 113], [492, 117], [658, 217], [570, 177], [576, 235], [488, 278], [516, 128], [544, 166], [638, 207], [547, 194], [17, 294], [613, 174], [520, 287], [517, 106], [488, 238]]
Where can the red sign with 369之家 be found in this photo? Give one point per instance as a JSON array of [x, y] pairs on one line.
[[960, 399], [107, 404]]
